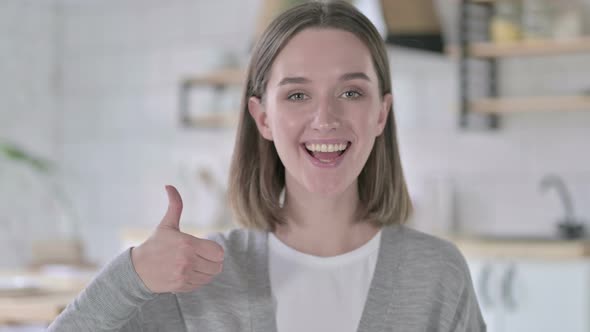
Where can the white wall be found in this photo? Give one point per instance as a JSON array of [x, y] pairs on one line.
[[495, 173], [120, 140], [124, 63], [29, 90]]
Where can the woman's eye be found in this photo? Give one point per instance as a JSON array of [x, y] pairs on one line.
[[351, 94], [297, 96]]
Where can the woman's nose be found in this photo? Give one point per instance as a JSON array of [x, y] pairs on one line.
[[325, 117]]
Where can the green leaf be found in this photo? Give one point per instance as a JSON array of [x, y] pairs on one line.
[[15, 153]]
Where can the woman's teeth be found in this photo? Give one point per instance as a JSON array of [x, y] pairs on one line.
[[326, 147]]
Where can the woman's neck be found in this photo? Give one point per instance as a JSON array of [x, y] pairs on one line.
[[323, 225]]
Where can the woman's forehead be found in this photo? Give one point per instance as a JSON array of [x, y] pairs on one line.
[[322, 53]]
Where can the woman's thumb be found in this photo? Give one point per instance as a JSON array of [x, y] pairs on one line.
[[172, 217]]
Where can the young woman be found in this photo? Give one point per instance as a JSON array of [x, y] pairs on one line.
[[317, 183]]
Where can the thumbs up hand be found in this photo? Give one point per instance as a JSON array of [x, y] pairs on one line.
[[172, 261]]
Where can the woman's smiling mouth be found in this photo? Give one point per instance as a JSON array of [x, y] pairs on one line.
[[326, 154]]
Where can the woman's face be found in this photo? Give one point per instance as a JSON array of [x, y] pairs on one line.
[[322, 89]]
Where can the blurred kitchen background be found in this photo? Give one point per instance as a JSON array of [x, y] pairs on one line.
[[104, 102]]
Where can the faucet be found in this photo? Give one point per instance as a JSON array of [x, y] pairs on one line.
[[569, 227]]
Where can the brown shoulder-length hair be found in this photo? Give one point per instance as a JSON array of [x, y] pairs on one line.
[[257, 175]]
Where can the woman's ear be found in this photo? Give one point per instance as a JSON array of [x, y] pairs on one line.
[[256, 109], [384, 112]]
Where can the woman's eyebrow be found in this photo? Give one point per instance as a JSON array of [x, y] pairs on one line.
[[293, 80], [303, 80], [353, 76]]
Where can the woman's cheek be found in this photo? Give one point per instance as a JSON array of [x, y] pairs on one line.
[[284, 118], [291, 114], [291, 121]]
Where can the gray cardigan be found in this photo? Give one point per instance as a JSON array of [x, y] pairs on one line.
[[421, 283]]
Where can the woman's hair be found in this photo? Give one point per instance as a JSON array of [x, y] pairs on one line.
[[257, 175]]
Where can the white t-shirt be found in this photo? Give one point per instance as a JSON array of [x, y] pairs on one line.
[[312, 293]]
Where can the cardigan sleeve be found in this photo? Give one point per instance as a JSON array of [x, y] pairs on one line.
[[111, 302]]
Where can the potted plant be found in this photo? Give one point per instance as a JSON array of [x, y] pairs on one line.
[[63, 244]]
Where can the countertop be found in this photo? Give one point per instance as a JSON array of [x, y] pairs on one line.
[[470, 246], [42, 305], [38, 296], [521, 247]]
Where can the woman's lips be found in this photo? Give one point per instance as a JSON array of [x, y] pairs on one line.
[[329, 164]]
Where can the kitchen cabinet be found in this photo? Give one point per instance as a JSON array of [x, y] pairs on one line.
[[530, 284], [524, 294]]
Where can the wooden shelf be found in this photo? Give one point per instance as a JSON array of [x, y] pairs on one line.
[[219, 80], [486, 50], [529, 48], [229, 76], [492, 52], [530, 104]]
